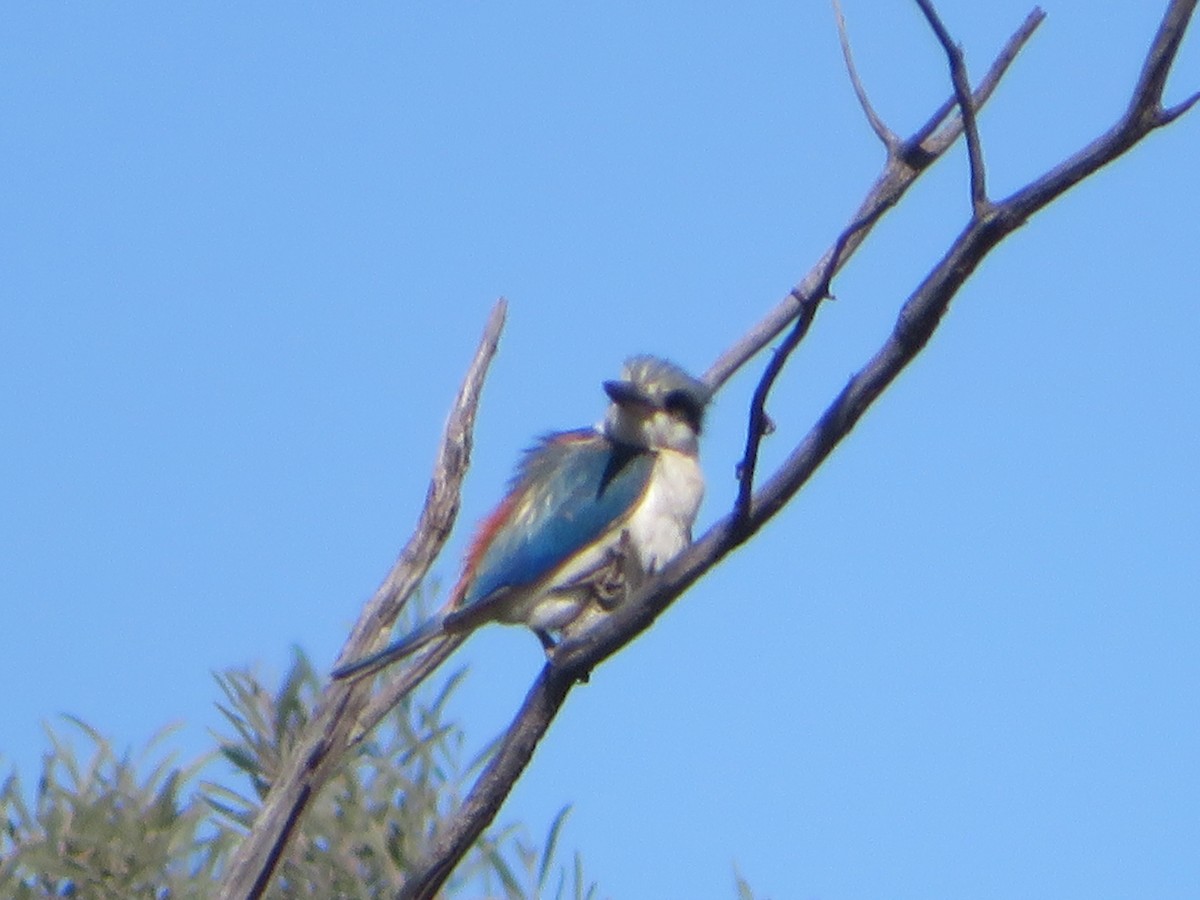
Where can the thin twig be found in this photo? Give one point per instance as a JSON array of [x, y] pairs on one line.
[[890, 139], [759, 423], [900, 171], [916, 144], [1152, 80], [966, 105], [1144, 113], [1171, 113]]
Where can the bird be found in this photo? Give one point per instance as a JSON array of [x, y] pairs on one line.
[[587, 516]]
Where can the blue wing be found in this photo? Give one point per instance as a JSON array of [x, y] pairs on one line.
[[570, 490]]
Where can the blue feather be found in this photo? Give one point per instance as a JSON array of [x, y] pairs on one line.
[[410, 643], [570, 490]]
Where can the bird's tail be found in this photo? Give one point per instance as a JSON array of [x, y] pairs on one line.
[[405, 646]]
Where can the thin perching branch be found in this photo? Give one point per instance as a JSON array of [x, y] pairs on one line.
[[966, 106], [890, 139], [905, 163], [915, 325], [899, 154], [759, 425], [322, 745], [999, 65]]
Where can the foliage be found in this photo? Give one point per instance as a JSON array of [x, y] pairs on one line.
[[112, 826], [107, 828]]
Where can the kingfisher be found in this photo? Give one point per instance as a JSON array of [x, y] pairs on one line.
[[587, 516]]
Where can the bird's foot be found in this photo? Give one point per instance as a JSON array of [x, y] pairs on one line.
[[611, 584]]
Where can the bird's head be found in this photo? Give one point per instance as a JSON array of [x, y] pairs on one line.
[[656, 405]]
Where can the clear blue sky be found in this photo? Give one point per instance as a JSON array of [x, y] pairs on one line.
[[246, 252]]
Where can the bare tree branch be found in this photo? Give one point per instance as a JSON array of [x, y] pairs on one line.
[[905, 163], [890, 139], [917, 321], [990, 80], [805, 306], [966, 105], [457, 833], [760, 425], [320, 749], [1146, 101], [1144, 113]]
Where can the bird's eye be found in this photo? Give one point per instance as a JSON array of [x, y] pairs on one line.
[[683, 405]]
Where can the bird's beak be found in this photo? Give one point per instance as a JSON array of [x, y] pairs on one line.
[[626, 393]]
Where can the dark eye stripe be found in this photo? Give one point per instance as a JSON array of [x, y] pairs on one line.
[[682, 405]]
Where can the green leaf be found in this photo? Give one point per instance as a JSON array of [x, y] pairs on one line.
[[551, 845]]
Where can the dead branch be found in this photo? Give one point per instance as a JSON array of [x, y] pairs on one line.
[[322, 746], [906, 161], [966, 105]]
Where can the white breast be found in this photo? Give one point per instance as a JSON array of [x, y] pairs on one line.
[[661, 526]]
